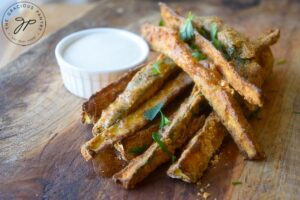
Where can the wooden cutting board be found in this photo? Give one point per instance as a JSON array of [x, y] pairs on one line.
[[41, 133]]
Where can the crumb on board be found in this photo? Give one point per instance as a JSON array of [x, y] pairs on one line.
[[205, 195]]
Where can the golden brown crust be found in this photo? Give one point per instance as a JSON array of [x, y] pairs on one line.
[[228, 36], [166, 41], [267, 39], [195, 158], [141, 87], [245, 88], [181, 129], [136, 120], [92, 109], [140, 139]]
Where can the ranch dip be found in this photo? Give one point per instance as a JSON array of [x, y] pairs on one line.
[[104, 51]]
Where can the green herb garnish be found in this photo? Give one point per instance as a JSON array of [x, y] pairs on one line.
[[194, 47], [214, 37], [236, 183], [296, 112], [217, 44], [151, 113], [213, 31], [161, 22], [280, 62], [187, 30], [157, 138], [198, 55], [196, 52], [138, 150], [164, 121], [155, 68]]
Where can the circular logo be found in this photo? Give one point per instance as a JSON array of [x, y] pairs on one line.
[[23, 23]]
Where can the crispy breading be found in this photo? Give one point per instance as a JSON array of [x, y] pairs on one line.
[[166, 41], [141, 139], [228, 36], [141, 87], [245, 88], [92, 109], [196, 156], [173, 137], [136, 120], [267, 39]]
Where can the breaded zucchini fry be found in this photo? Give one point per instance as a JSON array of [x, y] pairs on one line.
[[245, 88], [166, 41], [267, 39], [136, 144], [143, 85], [235, 42], [195, 158], [136, 120], [92, 109], [174, 136]]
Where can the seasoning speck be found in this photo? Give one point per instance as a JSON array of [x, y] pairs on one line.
[[205, 195]]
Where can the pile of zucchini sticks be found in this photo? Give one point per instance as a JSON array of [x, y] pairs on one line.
[[204, 84]]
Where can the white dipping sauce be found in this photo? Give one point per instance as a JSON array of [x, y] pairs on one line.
[[103, 51]]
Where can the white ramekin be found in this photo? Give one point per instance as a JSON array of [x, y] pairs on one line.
[[85, 82]]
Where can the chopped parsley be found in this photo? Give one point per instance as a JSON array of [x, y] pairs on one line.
[[280, 62], [164, 121], [198, 55], [161, 22], [157, 138], [138, 150], [194, 47], [187, 30], [214, 37], [216, 42], [151, 113], [196, 52], [155, 68], [213, 32], [236, 183]]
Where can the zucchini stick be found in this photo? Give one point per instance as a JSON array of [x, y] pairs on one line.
[[196, 156], [143, 85], [136, 120], [173, 137], [209, 82], [245, 88], [136, 144], [92, 109], [267, 39]]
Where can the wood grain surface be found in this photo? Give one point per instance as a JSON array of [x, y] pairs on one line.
[[41, 132]]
